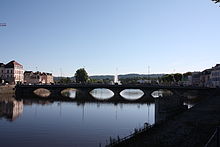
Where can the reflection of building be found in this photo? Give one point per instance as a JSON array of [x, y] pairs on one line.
[[31, 77], [11, 109], [12, 72]]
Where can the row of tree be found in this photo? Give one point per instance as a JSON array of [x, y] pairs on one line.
[[168, 78], [81, 76]]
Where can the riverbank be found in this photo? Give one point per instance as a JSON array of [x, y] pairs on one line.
[[191, 128], [7, 89]]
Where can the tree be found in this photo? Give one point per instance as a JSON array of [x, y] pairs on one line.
[[81, 76], [167, 78], [178, 77], [65, 80]]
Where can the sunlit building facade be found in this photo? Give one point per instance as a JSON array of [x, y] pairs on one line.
[[12, 72], [31, 77]]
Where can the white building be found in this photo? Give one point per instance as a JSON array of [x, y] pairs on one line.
[[12, 72]]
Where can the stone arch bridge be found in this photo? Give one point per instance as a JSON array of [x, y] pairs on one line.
[[83, 91]]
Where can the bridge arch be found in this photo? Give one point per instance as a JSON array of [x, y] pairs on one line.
[[102, 93], [69, 93], [132, 94], [42, 92]]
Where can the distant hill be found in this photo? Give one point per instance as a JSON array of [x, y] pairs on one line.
[[99, 77], [140, 76]]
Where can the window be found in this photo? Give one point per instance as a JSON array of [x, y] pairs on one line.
[[7, 71], [11, 71]]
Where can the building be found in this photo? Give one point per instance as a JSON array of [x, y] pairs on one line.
[[12, 72], [205, 78], [31, 77], [1, 72], [215, 76], [196, 78], [186, 81]]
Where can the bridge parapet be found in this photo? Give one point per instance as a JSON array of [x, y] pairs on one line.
[[83, 90]]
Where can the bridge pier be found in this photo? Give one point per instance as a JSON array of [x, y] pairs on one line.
[[147, 94], [56, 93], [83, 94], [117, 96]]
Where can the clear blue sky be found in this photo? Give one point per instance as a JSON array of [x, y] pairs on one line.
[[102, 35]]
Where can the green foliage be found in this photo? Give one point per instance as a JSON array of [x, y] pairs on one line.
[[178, 77], [81, 76], [65, 80], [130, 80], [168, 78]]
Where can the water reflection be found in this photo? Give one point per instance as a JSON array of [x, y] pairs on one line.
[[162, 93], [74, 124], [132, 94], [102, 93], [70, 93], [10, 109]]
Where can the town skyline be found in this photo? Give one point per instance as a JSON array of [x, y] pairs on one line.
[[104, 36]]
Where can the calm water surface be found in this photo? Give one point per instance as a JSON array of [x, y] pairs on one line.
[[70, 124]]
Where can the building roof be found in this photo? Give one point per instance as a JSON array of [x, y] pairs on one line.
[[207, 71], [2, 64], [37, 73], [28, 72], [12, 64]]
